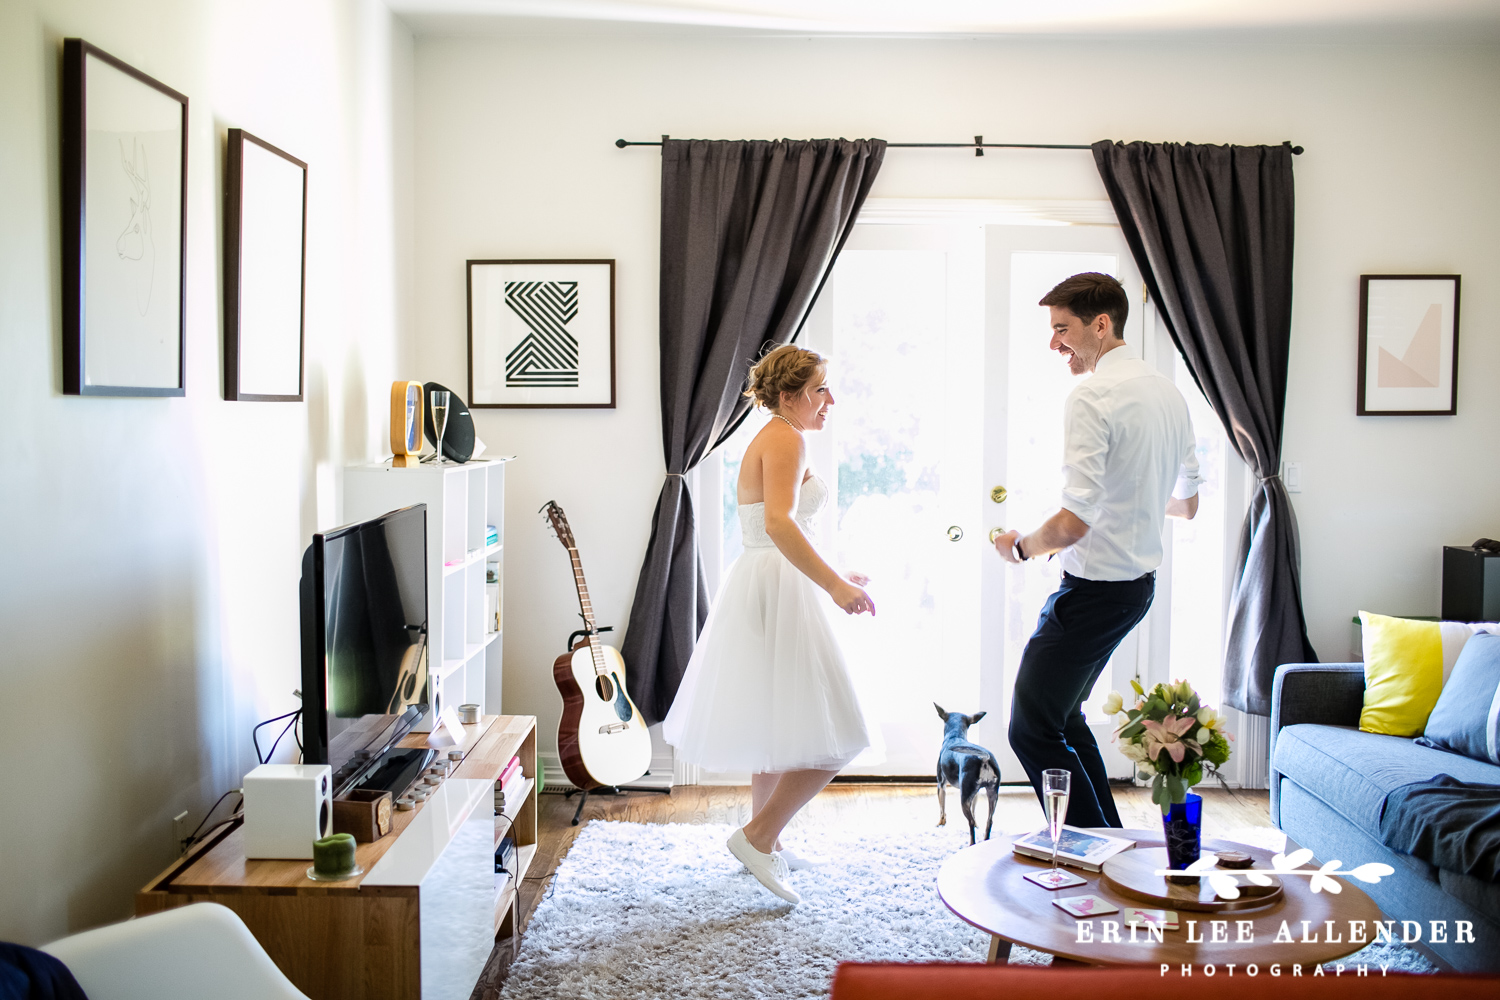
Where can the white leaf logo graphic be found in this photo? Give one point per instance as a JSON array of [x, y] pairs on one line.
[[1256, 878], [1321, 882], [1372, 872], [1293, 861], [1203, 864], [1226, 886]]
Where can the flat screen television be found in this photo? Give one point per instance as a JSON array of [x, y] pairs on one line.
[[364, 641]]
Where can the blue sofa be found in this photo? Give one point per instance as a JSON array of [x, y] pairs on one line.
[[1328, 786]]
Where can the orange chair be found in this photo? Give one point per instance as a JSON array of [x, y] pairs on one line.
[[853, 981]]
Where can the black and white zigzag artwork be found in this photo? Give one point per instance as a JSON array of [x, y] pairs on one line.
[[548, 354]]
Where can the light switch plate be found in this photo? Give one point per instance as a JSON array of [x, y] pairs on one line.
[[1292, 479]]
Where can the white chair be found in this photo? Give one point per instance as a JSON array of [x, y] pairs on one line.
[[187, 953]]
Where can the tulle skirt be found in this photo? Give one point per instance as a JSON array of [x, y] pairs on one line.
[[767, 688]]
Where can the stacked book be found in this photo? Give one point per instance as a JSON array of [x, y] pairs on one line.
[[509, 786], [491, 535]]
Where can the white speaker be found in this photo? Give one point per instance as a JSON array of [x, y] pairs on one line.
[[287, 807]]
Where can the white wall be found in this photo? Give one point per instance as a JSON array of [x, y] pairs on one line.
[[151, 547], [515, 159]]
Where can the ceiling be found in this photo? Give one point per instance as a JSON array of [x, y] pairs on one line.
[[960, 17]]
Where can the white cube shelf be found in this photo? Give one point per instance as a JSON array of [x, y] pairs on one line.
[[464, 643]]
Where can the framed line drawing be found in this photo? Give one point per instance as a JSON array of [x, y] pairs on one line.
[[1408, 345], [124, 228], [265, 270], [541, 333]]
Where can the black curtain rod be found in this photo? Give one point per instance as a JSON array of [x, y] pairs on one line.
[[978, 145]]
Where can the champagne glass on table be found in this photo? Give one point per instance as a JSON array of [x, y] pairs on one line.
[[439, 401], [1056, 784]]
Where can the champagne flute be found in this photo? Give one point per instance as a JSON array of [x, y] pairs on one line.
[[439, 400], [1056, 784]]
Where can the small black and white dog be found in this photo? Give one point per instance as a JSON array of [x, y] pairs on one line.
[[967, 767]]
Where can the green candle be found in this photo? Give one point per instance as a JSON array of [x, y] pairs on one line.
[[334, 856]]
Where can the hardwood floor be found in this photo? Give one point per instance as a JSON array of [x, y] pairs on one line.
[[856, 806]]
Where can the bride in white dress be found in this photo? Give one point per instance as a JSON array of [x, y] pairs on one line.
[[767, 689]]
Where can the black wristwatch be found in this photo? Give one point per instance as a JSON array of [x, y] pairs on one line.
[[1015, 547]]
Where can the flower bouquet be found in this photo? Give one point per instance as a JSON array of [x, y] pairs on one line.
[[1174, 740]]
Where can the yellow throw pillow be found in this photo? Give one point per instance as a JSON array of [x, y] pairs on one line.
[[1403, 674]]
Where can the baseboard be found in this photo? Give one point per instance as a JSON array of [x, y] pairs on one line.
[[660, 775]]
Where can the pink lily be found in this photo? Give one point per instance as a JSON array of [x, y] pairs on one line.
[[1167, 735]]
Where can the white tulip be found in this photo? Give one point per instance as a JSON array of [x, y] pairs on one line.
[[1204, 735], [1206, 716], [1113, 702]]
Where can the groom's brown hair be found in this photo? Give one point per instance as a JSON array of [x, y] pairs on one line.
[[1087, 295]]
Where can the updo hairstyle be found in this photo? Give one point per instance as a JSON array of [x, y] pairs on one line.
[[787, 368]]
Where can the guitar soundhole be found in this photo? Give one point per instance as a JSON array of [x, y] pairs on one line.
[[605, 687]]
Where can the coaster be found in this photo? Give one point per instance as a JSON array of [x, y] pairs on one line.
[[1085, 906], [1165, 919], [1054, 879]]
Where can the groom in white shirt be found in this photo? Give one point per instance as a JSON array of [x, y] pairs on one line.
[[1129, 460]]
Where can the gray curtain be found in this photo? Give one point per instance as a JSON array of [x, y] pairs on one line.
[[749, 231], [1211, 229]]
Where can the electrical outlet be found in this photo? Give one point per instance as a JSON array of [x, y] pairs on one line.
[[180, 832]]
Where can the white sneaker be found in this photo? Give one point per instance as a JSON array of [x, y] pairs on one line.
[[769, 869], [797, 862]]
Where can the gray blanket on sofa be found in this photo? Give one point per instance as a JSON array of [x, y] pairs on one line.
[[1452, 824]]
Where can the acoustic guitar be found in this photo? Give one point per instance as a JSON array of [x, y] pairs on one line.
[[602, 738]]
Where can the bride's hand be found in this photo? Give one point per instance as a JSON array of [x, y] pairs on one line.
[[858, 579], [852, 599]]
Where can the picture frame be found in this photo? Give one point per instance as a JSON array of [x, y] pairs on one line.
[[124, 228], [1408, 345], [265, 271], [541, 334]]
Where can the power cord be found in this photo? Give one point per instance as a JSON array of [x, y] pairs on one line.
[[295, 716], [192, 839]]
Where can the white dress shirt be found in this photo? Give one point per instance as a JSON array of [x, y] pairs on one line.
[[1128, 445]]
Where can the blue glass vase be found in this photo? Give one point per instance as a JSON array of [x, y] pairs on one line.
[[1183, 827]]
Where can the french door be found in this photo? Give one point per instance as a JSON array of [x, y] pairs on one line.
[[946, 391], [947, 398]]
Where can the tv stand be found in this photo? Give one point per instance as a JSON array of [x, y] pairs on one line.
[[399, 931]]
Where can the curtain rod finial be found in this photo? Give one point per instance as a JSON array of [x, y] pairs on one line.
[[620, 143], [1296, 150]]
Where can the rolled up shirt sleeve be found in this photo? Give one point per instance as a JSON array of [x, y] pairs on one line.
[[1188, 479], [1085, 449]]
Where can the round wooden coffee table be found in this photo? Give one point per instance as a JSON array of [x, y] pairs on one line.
[[983, 886]]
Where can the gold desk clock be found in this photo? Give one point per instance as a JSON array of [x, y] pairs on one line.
[[406, 424]]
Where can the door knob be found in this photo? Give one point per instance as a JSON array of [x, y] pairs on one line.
[[995, 533], [999, 493], [955, 533]]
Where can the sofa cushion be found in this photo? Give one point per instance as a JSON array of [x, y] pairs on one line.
[[1354, 771], [1482, 896], [1466, 719]]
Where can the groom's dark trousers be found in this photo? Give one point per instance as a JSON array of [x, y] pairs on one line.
[[1078, 630]]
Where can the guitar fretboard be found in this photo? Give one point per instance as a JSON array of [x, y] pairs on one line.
[[587, 607]]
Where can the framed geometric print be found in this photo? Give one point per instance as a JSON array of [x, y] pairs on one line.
[[1408, 345], [541, 334], [124, 228]]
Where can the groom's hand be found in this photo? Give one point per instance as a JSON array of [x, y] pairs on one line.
[[1005, 544]]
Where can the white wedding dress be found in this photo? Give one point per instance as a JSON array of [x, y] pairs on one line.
[[767, 688]]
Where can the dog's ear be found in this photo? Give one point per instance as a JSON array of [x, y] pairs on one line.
[[976, 717], [942, 713]]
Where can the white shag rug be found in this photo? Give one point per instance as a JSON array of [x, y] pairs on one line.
[[649, 910]]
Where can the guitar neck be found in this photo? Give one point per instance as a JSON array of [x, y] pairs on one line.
[[587, 607]]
